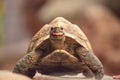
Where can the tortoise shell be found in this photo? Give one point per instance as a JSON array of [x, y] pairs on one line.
[[70, 30]]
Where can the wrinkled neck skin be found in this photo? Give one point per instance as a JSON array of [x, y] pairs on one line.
[[57, 44]]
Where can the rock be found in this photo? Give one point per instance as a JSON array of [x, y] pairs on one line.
[[102, 29]]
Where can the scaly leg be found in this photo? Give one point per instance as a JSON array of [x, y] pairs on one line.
[[92, 62], [25, 65]]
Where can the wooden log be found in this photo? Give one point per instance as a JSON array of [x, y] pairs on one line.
[[6, 75], [67, 77]]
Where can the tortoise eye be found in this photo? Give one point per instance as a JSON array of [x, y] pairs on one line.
[[61, 28], [51, 28]]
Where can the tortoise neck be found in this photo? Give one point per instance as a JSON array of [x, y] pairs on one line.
[[57, 44]]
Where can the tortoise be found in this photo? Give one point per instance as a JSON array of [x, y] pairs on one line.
[[60, 47]]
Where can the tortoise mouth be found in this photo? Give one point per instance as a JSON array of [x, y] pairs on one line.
[[57, 34]]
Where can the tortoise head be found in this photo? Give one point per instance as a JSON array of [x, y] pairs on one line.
[[57, 33]]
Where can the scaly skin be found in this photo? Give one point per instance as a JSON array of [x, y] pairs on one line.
[[26, 64], [92, 62]]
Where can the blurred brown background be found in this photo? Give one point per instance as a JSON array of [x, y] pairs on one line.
[[99, 20]]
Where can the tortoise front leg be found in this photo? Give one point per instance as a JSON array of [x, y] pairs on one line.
[[26, 64], [93, 63]]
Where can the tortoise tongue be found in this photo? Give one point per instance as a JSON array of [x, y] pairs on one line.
[[58, 34]]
